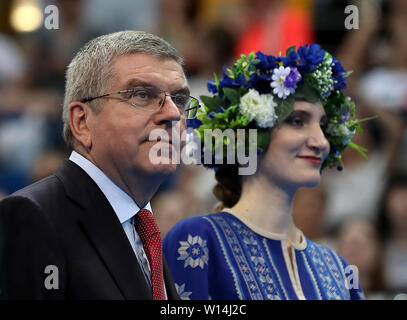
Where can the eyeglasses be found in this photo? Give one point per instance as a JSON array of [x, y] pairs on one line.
[[152, 99]]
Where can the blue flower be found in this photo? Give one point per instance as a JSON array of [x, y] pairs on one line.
[[310, 57], [261, 83], [292, 59], [227, 82], [338, 74], [266, 62], [212, 86], [193, 123], [210, 114]]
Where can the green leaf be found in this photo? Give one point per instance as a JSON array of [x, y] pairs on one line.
[[360, 149], [216, 81], [208, 102], [263, 139], [285, 107], [233, 95], [348, 73], [307, 92], [289, 49]]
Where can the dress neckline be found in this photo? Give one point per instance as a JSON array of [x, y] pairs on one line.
[[299, 245]]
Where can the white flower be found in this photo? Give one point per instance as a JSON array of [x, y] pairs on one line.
[[341, 130], [260, 107], [278, 77], [338, 130]]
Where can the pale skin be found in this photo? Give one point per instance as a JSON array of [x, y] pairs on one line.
[[116, 138], [291, 162]]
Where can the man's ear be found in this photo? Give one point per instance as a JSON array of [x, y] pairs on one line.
[[79, 122]]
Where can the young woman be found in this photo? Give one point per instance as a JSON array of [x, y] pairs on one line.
[[251, 248]]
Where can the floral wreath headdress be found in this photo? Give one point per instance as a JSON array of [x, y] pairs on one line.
[[260, 90]]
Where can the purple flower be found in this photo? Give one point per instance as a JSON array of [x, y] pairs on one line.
[[293, 78], [345, 116]]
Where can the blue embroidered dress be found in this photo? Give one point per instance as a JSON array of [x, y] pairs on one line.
[[219, 257]]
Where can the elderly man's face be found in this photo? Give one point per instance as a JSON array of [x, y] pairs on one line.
[[120, 132]]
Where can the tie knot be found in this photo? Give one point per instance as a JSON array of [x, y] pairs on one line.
[[145, 225]]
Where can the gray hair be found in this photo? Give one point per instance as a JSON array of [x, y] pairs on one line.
[[90, 70]]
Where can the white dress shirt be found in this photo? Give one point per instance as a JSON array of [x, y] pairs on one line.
[[122, 204]]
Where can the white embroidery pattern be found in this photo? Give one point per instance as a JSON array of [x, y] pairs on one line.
[[184, 295], [254, 250], [194, 252], [323, 273]]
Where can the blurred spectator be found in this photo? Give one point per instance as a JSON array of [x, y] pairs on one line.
[[309, 214], [108, 16], [275, 26], [197, 182], [393, 230], [358, 244], [169, 207], [205, 43], [12, 63], [29, 124], [47, 164], [50, 51], [328, 21], [187, 193], [358, 188]]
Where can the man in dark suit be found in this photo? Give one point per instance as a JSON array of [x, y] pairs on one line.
[[87, 231]]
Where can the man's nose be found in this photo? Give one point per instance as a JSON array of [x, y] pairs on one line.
[[169, 111]]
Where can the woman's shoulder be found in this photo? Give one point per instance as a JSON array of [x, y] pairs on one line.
[[328, 256], [194, 226]]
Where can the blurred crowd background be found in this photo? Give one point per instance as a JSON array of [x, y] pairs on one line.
[[361, 212]]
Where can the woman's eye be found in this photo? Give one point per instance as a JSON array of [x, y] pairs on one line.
[[295, 121]]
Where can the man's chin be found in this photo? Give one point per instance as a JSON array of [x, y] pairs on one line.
[[164, 168]]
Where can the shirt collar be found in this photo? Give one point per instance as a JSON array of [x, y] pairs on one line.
[[122, 204]]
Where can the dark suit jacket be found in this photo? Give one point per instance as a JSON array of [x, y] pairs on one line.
[[66, 221]]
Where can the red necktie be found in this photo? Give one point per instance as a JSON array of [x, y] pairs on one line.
[[149, 234]]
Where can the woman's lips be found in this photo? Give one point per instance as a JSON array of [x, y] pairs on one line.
[[314, 160]]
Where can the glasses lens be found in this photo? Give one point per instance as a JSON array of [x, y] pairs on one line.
[[146, 97], [192, 108]]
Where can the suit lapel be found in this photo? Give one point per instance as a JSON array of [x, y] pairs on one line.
[[169, 282], [105, 231]]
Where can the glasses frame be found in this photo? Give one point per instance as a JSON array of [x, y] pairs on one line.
[[160, 106]]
